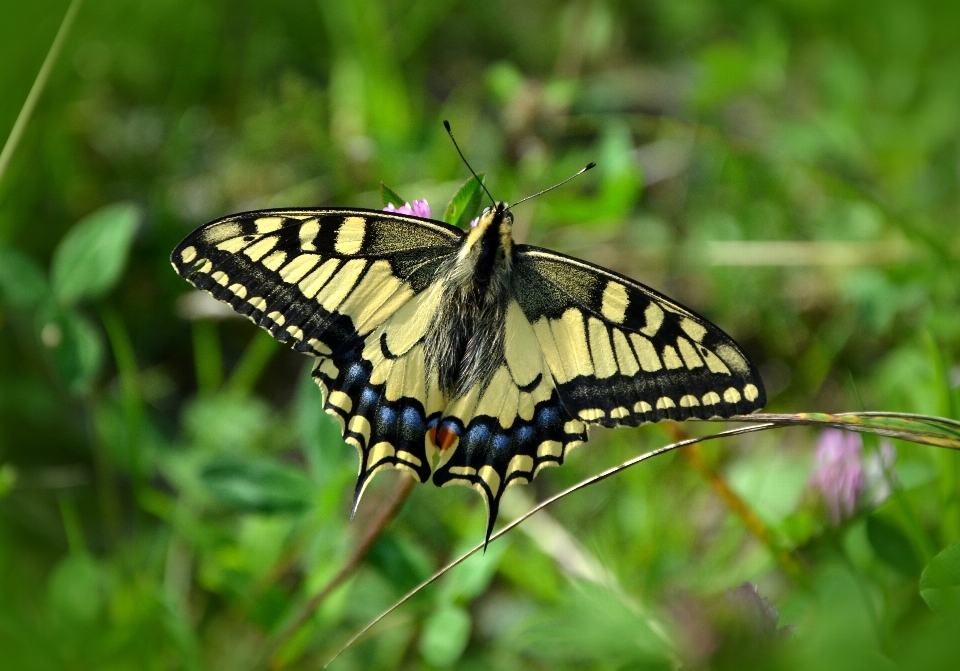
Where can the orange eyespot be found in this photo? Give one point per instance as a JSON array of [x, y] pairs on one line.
[[443, 437]]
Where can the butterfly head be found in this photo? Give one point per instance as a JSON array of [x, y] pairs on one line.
[[491, 234]]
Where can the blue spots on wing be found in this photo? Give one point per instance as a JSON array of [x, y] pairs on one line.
[[524, 434], [547, 419], [355, 374], [386, 417], [412, 424], [369, 396], [478, 433], [501, 442]]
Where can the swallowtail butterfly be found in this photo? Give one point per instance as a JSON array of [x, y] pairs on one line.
[[462, 354]]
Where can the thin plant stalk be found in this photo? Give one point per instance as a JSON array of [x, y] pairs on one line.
[[40, 83], [366, 541], [252, 363], [533, 511], [923, 429]]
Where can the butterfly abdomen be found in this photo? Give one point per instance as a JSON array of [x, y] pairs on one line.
[[465, 344]]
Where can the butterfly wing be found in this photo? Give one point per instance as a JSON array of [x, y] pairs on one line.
[[506, 431], [623, 354], [343, 285]]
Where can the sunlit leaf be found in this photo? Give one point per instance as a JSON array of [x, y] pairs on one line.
[[445, 635], [91, 257], [940, 582], [390, 197], [228, 423], [465, 204], [75, 591], [471, 578], [261, 486]]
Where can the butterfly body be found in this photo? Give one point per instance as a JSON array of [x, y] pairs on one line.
[[465, 345], [463, 355]]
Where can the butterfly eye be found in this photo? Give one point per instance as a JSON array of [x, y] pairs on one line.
[[485, 211]]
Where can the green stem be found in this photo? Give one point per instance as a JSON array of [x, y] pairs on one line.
[[20, 125], [71, 525], [207, 356], [949, 463], [108, 495], [863, 590], [256, 357], [129, 375]]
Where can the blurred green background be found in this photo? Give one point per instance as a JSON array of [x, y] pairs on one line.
[[171, 494]]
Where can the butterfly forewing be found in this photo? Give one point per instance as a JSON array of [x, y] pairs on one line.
[[623, 354], [326, 280]]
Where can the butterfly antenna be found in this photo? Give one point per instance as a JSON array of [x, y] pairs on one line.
[[577, 174], [446, 124]]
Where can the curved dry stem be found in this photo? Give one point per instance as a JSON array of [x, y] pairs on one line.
[[924, 429], [553, 499], [370, 535], [950, 438]]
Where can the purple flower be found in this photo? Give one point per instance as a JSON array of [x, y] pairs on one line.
[[845, 479], [838, 472], [474, 222], [419, 208]]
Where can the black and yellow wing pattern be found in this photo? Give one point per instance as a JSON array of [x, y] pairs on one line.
[[360, 289]]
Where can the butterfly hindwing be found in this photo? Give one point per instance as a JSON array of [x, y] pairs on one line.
[[621, 353], [504, 432]]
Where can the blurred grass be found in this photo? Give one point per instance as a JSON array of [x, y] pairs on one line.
[[170, 490]]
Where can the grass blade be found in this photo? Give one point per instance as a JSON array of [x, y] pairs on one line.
[[20, 125]]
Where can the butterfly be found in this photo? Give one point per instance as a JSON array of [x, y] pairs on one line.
[[463, 355]]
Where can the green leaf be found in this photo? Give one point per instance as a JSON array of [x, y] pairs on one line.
[[399, 560], [471, 578], [940, 582], [75, 591], [227, 423], [465, 204], [594, 624], [74, 345], [892, 546], [390, 197], [8, 479], [445, 635], [22, 282], [90, 259], [257, 486]]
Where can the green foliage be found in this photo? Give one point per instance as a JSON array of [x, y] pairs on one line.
[[390, 197], [171, 491], [89, 260], [73, 343], [940, 582], [465, 204], [892, 546], [22, 283], [257, 486], [446, 633]]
